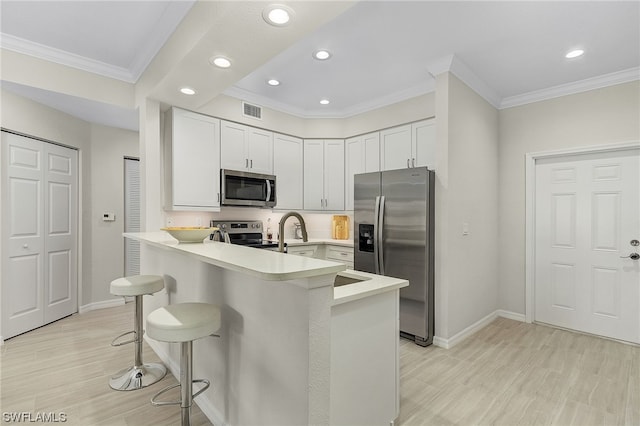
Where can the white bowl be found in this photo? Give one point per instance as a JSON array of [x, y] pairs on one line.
[[189, 234]]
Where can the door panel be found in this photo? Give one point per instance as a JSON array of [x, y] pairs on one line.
[[587, 211], [60, 239], [39, 221]]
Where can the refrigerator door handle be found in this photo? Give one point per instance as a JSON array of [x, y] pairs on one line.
[[376, 249], [380, 228]]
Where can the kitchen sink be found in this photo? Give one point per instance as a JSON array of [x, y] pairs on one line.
[[345, 280]]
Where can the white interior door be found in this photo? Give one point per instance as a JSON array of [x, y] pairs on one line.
[[60, 242], [587, 213], [23, 235], [39, 265]]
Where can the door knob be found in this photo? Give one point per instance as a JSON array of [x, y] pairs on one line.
[[634, 243], [25, 246], [632, 256]]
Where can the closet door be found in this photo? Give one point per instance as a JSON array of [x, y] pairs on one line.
[[22, 235], [39, 233], [60, 238]]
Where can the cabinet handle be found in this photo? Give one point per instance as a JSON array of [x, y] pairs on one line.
[[246, 163], [407, 163], [251, 164], [218, 197], [413, 162]]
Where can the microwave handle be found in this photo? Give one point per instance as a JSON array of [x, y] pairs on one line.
[[268, 190]]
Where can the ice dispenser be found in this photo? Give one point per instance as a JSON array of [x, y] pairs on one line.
[[365, 237]]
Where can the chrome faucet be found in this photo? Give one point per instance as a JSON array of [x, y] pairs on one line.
[[281, 229]]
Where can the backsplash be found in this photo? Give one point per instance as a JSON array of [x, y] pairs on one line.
[[318, 224]]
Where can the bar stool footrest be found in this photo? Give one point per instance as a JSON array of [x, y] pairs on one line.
[[113, 342], [168, 388]]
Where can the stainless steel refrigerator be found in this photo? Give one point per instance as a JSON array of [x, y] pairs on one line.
[[394, 236]]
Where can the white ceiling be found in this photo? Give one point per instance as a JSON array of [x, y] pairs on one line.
[[383, 51]]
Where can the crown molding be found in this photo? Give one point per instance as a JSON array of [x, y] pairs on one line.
[[61, 57], [626, 76], [452, 64]]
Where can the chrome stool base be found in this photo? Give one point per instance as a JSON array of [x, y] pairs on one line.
[[137, 377]]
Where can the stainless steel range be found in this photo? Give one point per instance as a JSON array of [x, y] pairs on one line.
[[246, 233]]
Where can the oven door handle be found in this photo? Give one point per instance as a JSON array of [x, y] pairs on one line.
[[268, 190]]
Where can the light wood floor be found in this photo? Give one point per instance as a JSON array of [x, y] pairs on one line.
[[509, 373]]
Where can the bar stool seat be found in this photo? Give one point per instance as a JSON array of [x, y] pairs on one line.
[[183, 323], [137, 285], [139, 375]]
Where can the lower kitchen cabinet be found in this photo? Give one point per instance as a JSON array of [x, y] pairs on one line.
[[340, 254], [305, 250]]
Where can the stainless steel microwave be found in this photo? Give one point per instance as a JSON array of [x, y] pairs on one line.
[[240, 188]]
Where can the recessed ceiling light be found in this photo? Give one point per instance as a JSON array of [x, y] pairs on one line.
[[187, 91], [277, 15], [574, 54], [322, 55], [220, 61], [273, 82], [324, 101]]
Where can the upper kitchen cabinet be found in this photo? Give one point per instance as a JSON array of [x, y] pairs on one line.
[[287, 166], [411, 145], [246, 148], [324, 174], [362, 155], [192, 161]]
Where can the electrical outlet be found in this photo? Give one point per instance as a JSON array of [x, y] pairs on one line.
[[169, 221], [198, 221]]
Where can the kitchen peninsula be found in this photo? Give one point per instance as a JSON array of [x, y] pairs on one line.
[[293, 349]]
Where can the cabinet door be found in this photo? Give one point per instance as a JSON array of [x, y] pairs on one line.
[[233, 146], [395, 147], [372, 152], [313, 174], [354, 163], [424, 143], [362, 155], [260, 151], [334, 174], [287, 166], [195, 160]]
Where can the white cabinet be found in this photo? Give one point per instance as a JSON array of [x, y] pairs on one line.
[[192, 161], [246, 148], [324, 174], [423, 136], [411, 145], [340, 254], [362, 155], [304, 250], [287, 166]]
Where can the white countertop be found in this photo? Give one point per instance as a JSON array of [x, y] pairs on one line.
[[275, 266], [265, 264], [371, 284]]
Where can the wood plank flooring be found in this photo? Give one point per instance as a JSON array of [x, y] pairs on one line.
[[509, 373]]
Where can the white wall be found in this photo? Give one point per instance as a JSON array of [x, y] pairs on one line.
[[101, 152], [109, 146], [596, 117], [467, 192]]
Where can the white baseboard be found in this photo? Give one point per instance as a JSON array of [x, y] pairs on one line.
[[101, 305], [511, 315], [475, 327]]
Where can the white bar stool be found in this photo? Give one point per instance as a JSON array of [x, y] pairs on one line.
[[139, 375], [183, 323]]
